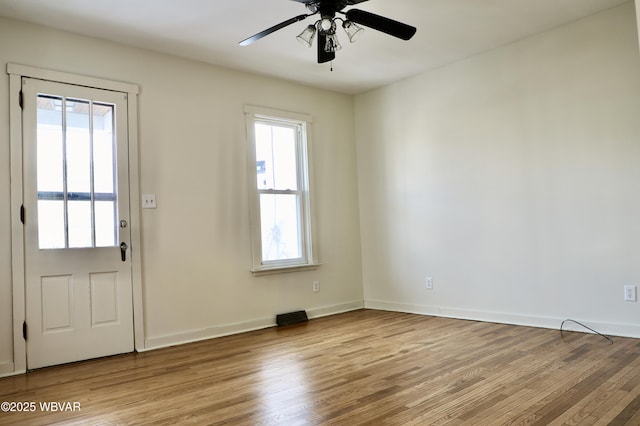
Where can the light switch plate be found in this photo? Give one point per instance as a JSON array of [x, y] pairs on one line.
[[148, 201]]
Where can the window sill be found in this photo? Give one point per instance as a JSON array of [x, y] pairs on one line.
[[284, 269]]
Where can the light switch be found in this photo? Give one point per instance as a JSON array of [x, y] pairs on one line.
[[148, 201]]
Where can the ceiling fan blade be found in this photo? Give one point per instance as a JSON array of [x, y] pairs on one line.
[[352, 2], [322, 55], [380, 23], [275, 28]]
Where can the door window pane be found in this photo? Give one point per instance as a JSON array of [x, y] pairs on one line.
[[49, 144], [105, 223], [51, 224], [280, 227], [78, 146], [103, 149], [77, 200], [79, 224]]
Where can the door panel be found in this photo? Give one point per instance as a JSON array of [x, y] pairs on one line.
[[56, 303], [78, 288], [104, 298]]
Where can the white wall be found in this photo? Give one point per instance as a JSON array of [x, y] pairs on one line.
[[512, 178], [196, 246]]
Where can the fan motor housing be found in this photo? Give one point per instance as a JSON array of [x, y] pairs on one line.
[[330, 7]]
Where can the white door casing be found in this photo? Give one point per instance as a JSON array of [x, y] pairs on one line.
[[78, 303]]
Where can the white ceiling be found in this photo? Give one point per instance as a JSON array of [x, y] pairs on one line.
[[209, 31]]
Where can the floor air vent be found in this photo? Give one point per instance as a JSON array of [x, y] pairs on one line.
[[291, 318]]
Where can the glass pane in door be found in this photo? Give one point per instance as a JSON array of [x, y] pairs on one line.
[[79, 220], [76, 184], [51, 224], [103, 149], [105, 217], [49, 144], [78, 146], [50, 176]]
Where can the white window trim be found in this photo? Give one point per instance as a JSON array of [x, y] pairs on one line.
[[309, 259]]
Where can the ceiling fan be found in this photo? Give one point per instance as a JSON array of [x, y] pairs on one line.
[[325, 27]]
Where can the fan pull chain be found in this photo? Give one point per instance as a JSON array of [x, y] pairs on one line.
[[331, 66]]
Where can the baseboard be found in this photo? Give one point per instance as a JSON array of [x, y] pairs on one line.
[[207, 333], [324, 311], [7, 369], [241, 327], [608, 328]]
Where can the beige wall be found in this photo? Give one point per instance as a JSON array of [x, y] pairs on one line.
[[195, 246], [511, 178]]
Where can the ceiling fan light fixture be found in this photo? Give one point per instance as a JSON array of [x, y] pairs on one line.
[[327, 24], [306, 37], [324, 29], [353, 31], [332, 44]]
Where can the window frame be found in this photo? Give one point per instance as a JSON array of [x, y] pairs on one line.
[[302, 123]]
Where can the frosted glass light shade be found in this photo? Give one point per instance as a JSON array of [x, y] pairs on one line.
[[306, 37], [353, 31]]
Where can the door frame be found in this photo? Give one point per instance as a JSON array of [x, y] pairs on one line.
[[16, 72]]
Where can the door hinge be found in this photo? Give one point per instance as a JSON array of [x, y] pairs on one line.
[[20, 99], [22, 214], [24, 330]]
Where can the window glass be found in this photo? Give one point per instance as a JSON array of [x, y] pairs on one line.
[[280, 225], [79, 223], [77, 200], [276, 157], [281, 197], [78, 146], [51, 224], [105, 216], [49, 144], [103, 149]]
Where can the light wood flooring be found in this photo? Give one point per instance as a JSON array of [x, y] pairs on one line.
[[363, 367]]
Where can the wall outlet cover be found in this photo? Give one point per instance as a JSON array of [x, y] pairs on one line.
[[630, 293], [429, 283]]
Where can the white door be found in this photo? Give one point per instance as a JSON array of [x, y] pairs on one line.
[[76, 213]]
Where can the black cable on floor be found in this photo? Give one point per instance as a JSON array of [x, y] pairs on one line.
[[588, 328]]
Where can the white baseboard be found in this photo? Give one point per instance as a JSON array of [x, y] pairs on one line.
[[7, 369], [241, 327], [608, 328], [206, 333], [324, 311]]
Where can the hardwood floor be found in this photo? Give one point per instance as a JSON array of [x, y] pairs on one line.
[[362, 367]]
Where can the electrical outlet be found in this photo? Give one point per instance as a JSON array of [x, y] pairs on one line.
[[630, 293], [316, 286], [429, 283]]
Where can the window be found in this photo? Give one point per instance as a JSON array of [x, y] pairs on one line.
[[280, 200], [77, 201]]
